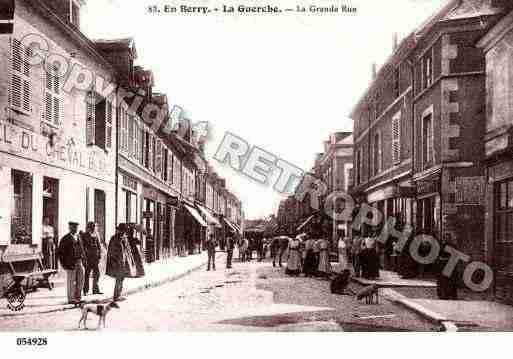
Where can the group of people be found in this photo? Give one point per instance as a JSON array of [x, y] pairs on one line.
[[80, 254], [305, 255], [247, 246], [311, 256]]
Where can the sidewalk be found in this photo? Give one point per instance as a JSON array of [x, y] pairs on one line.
[[389, 279], [156, 274], [451, 315]]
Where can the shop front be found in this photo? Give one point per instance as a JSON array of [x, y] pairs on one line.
[[46, 183], [499, 228]]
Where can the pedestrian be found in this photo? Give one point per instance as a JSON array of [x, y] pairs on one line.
[[324, 268], [71, 255], [249, 249], [230, 243], [48, 247], [120, 263], [309, 267], [342, 254], [283, 243], [92, 247], [369, 259], [316, 251], [132, 234], [356, 248], [260, 248], [294, 257], [211, 251]]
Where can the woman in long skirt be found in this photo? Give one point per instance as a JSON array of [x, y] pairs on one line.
[[294, 260], [309, 263], [324, 268]]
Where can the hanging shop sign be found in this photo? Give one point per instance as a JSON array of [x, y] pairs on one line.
[[173, 201], [147, 214], [470, 190], [130, 182], [428, 186], [64, 152]]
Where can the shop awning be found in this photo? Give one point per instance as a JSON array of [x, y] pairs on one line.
[[308, 220], [196, 216], [209, 217], [229, 224]]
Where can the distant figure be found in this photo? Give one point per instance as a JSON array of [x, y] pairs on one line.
[[72, 257], [294, 258], [309, 265], [48, 245], [93, 249], [211, 250], [356, 248], [284, 243], [324, 268], [230, 243], [342, 254]]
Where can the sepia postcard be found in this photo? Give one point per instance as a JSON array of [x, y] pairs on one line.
[[255, 166]]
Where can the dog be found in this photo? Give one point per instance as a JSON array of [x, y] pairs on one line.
[[370, 293], [340, 282], [101, 310]]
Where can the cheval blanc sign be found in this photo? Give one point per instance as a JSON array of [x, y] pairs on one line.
[[63, 152]]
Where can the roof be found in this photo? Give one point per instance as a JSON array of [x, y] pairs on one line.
[[112, 44], [346, 141]]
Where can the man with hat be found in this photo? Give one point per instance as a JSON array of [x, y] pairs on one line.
[[72, 258], [93, 248]]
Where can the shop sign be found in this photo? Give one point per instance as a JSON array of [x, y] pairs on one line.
[[173, 201], [469, 190], [130, 182], [147, 214], [63, 152], [426, 187]]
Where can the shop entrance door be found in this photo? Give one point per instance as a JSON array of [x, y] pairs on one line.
[[99, 212], [50, 218]]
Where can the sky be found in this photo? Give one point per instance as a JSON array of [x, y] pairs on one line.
[[281, 82]]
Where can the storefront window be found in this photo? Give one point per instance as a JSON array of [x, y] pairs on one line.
[[504, 212], [21, 218]]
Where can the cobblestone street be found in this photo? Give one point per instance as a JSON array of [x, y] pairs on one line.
[[250, 297]]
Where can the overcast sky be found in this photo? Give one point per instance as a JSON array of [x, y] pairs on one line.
[[282, 82]]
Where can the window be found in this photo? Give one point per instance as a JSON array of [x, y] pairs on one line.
[[427, 69], [99, 113], [21, 218], [376, 154], [137, 134], [158, 156], [124, 130], [131, 135], [52, 113], [357, 166], [504, 211], [165, 168], [146, 149], [396, 138], [396, 83], [142, 144], [427, 141], [153, 153], [171, 167], [20, 86]]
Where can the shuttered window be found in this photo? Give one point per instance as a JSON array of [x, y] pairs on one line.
[[396, 138], [136, 139], [20, 81], [108, 125], [131, 132], [158, 156], [124, 130], [90, 118], [52, 111], [165, 161]]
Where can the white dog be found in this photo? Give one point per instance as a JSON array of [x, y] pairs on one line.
[[100, 310]]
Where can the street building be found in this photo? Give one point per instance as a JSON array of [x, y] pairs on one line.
[[53, 163], [498, 244]]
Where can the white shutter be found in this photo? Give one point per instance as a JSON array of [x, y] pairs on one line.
[[20, 80], [90, 118], [396, 138], [108, 124], [56, 110]]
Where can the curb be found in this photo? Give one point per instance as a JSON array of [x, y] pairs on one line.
[[445, 324], [135, 290]]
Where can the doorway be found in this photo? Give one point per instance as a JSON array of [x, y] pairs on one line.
[[99, 212]]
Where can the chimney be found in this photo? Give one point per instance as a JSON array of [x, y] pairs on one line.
[[374, 70], [395, 41]]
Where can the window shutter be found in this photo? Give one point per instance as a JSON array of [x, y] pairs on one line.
[[16, 90], [131, 139], [90, 118], [396, 139], [56, 110], [158, 157], [136, 139], [108, 124], [150, 152], [20, 91]]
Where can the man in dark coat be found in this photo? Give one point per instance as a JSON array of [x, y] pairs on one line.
[[72, 257], [93, 248], [230, 243], [211, 250], [117, 253]]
